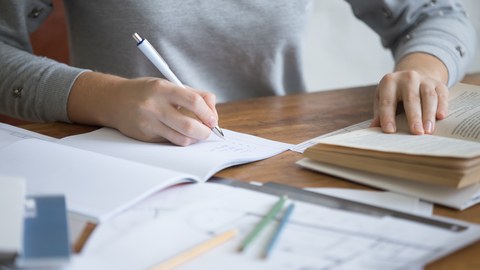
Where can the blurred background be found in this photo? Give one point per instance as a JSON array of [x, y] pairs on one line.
[[342, 51]]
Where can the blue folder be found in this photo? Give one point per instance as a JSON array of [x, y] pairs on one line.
[[45, 237]]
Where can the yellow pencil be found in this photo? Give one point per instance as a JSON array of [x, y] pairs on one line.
[[196, 251]]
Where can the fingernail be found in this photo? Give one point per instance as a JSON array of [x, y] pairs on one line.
[[418, 128], [212, 122], [442, 114], [389, 128], [428, 127]]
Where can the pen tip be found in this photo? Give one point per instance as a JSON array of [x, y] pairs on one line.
[[219, 132]]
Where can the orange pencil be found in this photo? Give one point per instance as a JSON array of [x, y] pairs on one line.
[[196, 251]]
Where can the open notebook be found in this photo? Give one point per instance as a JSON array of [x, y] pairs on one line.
[[104, 172]]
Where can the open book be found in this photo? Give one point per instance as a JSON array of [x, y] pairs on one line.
[[104, 172], [448, 159]]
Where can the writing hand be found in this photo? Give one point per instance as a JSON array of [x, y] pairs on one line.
[[145, 108]]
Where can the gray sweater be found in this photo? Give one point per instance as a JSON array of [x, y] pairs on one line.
[[235, 49]]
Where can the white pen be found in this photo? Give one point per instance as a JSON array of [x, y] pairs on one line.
[[149, 51]]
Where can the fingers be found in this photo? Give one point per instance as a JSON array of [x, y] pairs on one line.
[[184, 124], [429, 101], [442, 108], [376, 118], [375, 121], [387, 104], [147, 109], [210, 99], [412, 103], [173, 136], [201, 104], [424, 100]]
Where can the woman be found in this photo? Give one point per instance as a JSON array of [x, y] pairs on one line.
[[232, 49]]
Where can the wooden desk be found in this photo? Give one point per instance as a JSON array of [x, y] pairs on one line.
[[294, 119]]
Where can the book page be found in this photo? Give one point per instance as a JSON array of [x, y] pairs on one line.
[[202, 159], [463, 120], [455, 198], [405, 143]]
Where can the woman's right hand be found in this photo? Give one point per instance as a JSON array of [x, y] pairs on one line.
[[146, 109]]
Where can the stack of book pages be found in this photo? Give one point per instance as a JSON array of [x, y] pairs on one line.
[[446, 162]]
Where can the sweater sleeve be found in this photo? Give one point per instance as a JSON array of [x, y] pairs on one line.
[[437, 27], [31, 87]]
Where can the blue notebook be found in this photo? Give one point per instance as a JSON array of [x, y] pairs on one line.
[[45, 234]]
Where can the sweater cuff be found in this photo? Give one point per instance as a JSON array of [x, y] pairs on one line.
[[56, 83], [435, 38]]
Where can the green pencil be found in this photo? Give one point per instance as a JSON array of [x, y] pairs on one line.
[[278, 230], [261, 225]]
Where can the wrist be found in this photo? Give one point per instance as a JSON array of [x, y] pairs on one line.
[[425, 64], [92, 99]]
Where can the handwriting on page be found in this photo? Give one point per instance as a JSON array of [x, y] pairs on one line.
[[10, 134], [6, 133], [233, 147]]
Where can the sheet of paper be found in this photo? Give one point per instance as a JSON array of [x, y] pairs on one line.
[[155, 207], [315, 238], [301, 147], [174, 198], [202, 159], [10, 134], [95, 185], [384, 199]]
